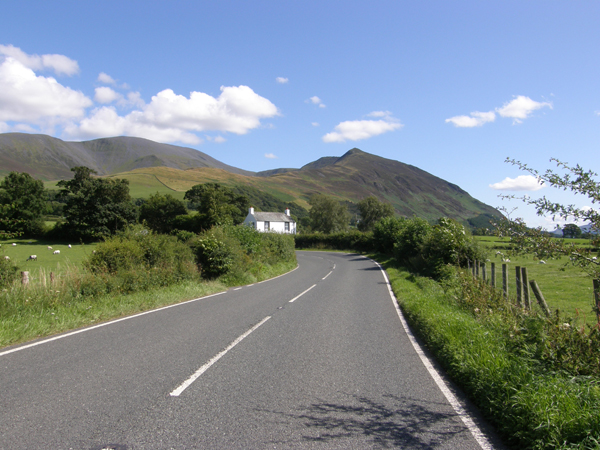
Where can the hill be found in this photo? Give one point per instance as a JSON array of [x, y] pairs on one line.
[[50, 158], [153, 167]]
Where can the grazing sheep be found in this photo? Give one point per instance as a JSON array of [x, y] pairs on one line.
[[14, 244], [32, 258], [69, 245], [49, 248], [542, 261], [7, 258], [56, 252]]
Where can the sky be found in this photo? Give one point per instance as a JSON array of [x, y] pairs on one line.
[[452, 87]]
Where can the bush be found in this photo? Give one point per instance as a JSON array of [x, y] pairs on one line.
[[8, 272], [214, 256], [138, 259], [448, 242], [387, 232]]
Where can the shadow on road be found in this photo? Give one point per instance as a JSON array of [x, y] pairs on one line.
[[393, 422]]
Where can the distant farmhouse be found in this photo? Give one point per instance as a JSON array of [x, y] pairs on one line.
[[271, 221]]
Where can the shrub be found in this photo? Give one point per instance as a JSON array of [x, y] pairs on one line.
[[8, 272], [214, 256], [387, 232]]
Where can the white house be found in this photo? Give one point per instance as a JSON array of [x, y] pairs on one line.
[[271, 221]]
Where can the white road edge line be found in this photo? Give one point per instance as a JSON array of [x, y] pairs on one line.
[[83, 330], [298, 296], [327, 275], [460, 411], [214, 359]]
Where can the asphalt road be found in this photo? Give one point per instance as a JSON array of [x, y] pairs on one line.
[[317, 358]]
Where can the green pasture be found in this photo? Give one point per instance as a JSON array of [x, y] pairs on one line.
[[564, 287], [46, 259]]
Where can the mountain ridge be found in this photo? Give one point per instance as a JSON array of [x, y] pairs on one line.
[[351, 177]]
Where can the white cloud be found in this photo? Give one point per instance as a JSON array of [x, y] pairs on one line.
[[315, 124], [518, 109], [355, 130], [521, 183], [316, 101], [521, 107], [281, 80], [174, 118], [106, 95], [270, 156], [105, 78], [60, 64], [26, 97], [4, 128], [476, 119], [597, 113]]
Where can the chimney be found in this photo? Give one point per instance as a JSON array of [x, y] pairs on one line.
[[251, 210], [287, 211]]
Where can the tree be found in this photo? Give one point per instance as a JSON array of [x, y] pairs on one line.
[[95, 207], [539, 243], [327, 215], [160, 211], [22, 204], [217, 205], [372, 211], [571, 230]]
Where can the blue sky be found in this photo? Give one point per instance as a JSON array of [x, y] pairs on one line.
[[453, 88]]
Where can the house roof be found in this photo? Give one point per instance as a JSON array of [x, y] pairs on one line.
[[272, 217]]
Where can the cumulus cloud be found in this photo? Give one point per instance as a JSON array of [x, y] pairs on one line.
[[476, 119], [518, 109], [521, 183], [106, 79], [356, 130], [60, 64], [316, 101], [281, 80], [106, 95], [27, 97], [270, 156], [521, 108], [174, 118]]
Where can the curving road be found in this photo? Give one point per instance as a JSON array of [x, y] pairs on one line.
[[317, 358]]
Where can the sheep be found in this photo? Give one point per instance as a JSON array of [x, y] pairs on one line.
[[49, 248], [69, 245], [7, 258], [56, 252], [32, 258], [542, 261], [14, 244]]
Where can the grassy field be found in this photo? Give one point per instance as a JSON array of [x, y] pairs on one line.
[[46, 259], [565, 287]]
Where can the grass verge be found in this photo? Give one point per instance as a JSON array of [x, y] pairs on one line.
[[530, 406]]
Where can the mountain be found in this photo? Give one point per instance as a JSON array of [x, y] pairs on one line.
[[49, 158], [153, 167]]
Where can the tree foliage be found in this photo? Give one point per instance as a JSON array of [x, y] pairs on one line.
[[217, 205], [160, 211], [95, 207], [372, 211], [327, 215], [22, 204], [539, 243]]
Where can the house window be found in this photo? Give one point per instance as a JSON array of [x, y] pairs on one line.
[[267, 226], [286, 227]]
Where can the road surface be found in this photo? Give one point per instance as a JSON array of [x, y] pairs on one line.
[[315, 359]]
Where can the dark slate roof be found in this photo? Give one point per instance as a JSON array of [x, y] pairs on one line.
[[272, 217]]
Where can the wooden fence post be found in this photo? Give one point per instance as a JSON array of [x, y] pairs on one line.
[[526, 299], [24, 278], [519, 286], [540, 298], [484, 272], [473, 268], [477, 264], [505, 280], [597, 297], [493, 274], [52, 277]]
